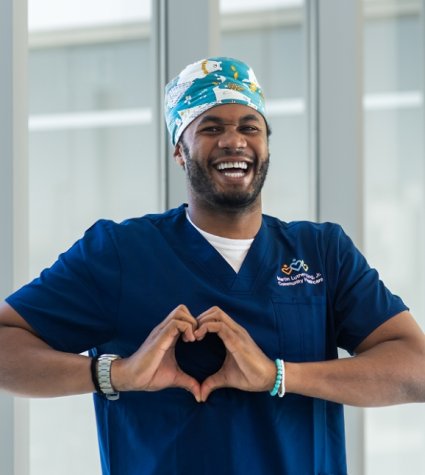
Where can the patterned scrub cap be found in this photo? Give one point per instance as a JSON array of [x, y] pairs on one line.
[[206, 84]]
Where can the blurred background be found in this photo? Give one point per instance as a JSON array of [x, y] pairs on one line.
[[96, 150]]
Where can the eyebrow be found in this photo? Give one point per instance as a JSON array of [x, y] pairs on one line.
[[221, 121]]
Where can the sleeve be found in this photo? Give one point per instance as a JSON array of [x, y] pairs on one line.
[[73, 304], [360, 300]]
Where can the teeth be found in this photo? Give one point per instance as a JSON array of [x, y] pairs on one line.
[[234, 174], [226, 165]]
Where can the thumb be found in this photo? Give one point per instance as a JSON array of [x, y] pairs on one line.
[[183, 380], [213, 382]]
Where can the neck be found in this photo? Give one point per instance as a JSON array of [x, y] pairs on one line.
[[233, 224]]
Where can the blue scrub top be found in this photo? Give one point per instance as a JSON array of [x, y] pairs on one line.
[[303, 291]]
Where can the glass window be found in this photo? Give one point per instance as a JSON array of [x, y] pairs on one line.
[[91, 156], [394, 199], [270, 37]]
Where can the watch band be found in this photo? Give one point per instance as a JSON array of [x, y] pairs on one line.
[[104, 363]]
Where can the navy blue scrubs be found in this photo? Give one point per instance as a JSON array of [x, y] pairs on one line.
[[303, 291]]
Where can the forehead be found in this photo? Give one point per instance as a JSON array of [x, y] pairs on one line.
[[233, 113]]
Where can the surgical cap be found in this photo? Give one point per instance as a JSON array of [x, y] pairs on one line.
[[206, 84]]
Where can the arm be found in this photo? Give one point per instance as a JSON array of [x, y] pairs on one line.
[[30, 367], [387, 369]]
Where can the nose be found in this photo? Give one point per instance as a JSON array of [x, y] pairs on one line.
[[232, 139]]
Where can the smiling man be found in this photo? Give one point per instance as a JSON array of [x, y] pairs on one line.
[[226, 158], [229, 161], [197, 318]]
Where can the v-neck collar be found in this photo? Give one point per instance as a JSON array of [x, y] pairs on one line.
[[196, 248]]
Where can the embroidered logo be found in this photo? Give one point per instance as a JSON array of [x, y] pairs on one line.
[[296, 265], [296, 273]]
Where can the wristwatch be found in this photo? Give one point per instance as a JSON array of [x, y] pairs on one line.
[[104, 376]]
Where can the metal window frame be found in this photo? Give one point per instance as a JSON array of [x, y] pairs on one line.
[[335, 99], [14, 444], [173, 51]]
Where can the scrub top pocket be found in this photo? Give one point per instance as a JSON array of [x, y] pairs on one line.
[[301, 323]]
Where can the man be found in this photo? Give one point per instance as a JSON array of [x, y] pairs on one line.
[[197, 317]]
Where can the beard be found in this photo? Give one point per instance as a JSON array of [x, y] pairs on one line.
[[235, 199]]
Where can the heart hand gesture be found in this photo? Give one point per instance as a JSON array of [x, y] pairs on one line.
[[153, 366]]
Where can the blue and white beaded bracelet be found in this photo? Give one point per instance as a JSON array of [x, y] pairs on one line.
[[279, 385]]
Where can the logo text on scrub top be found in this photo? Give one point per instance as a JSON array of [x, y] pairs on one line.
[[296, 273]]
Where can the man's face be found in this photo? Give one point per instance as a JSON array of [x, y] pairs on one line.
[[226, 156]]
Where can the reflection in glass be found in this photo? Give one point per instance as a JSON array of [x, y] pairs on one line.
[[91, 156], [395, 197]]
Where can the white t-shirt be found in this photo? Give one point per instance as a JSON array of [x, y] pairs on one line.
[[233, 250]]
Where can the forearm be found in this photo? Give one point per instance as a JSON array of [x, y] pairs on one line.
[[387, 374], [29, 367]]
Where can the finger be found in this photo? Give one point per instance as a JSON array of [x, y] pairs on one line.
[[181, 312], [213, 382], [216, 314], [169, 334], [208, 327], [232, 340], [227, 334], [180, 327], [212, 312], [183, 380], [188, 335], [209, 311]]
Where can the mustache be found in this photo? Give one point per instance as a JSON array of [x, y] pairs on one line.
[[237, 152]]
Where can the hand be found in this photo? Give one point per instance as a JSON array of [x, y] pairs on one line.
[[153, 366], [245, 367]]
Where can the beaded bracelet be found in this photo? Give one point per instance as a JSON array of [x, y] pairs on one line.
[[282, 389], [279, 377]]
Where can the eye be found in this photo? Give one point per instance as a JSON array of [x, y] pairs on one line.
[[249, 129], [211, 130]]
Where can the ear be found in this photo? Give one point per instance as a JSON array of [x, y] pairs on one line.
[[179, 155]]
